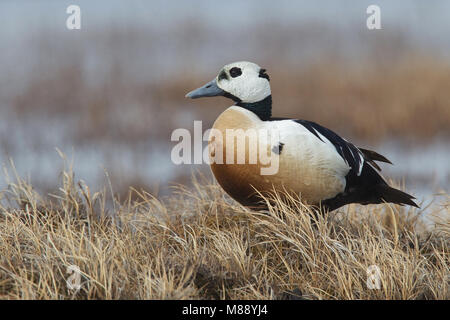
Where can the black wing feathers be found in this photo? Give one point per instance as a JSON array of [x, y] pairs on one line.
[[372, 156], [363, 183], [351, 154]]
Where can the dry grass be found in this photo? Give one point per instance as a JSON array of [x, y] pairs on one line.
[[199, 244]]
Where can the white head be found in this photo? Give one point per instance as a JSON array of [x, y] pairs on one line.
[[241, 81]]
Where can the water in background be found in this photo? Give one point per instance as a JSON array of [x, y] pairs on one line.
[[109, 95]]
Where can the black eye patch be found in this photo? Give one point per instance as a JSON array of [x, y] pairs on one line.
[[263, 74], [235, 72], [222, 75]]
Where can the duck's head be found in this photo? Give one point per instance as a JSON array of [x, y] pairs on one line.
[[243, 82]]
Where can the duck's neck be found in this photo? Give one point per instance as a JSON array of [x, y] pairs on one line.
[[263, 108]]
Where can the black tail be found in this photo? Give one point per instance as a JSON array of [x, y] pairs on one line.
[[368, 188], [393, 195], [382, 191]]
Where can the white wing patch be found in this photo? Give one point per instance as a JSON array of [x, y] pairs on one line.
[[310, 151], [352, 156]]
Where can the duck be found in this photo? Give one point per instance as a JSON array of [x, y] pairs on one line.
[[314, 163]]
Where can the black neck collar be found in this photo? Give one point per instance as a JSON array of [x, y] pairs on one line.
[[263, 108]]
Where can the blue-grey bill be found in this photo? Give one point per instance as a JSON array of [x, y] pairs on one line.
[[208, 90]]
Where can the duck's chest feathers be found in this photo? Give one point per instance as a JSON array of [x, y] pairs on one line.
[[304, 164]]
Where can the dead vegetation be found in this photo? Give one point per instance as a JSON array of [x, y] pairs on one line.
[[199, 244]]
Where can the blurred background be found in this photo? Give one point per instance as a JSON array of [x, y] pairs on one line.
[[110, 95]]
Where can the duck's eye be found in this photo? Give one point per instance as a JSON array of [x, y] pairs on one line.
[[235, 72]]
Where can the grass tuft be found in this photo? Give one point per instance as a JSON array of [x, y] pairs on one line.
[[199, 244]]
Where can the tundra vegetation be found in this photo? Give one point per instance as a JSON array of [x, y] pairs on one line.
[[200, 244]]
